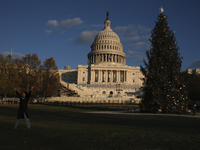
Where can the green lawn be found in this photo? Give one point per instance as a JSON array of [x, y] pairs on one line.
[[57, 128]]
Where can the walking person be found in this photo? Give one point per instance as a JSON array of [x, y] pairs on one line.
[[23, 108]]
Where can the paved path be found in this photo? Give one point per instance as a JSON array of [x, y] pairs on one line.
[[144, 114]]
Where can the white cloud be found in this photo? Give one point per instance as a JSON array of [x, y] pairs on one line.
[[120, 30], [14, 55], [97, 25], [137, 38], [143, 29], [132, 33], [62, 25], [87, 37], [138, 44], [138, 48], [70, 22], [138, 58], [53, 23], [48, 31], [194, 64], [131, 30], [130, 52], [137, 51]]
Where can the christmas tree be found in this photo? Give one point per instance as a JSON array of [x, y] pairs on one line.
[[164, 84]]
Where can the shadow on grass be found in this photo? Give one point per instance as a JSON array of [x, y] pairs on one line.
[[98, 107], [55, 127], [75, 114]]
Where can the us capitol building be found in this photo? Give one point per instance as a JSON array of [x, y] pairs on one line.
[[106, 73]]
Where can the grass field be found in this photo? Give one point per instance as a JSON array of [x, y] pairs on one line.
[[69, 128]]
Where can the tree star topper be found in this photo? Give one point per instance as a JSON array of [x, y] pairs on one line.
[[161, 10]]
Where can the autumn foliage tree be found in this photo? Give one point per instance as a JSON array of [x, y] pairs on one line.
[[26, 72], [51, 78]]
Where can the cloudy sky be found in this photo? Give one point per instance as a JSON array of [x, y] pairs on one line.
[[65, 29]]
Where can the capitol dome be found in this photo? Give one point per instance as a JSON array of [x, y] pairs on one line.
[[106, 47], [107, 34]]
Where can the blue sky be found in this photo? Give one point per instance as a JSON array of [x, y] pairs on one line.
[[65, 29]]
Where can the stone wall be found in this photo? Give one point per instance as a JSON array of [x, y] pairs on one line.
[[95, 99]]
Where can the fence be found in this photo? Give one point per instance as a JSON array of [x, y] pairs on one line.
[[91, 101], [77, 100], [11, 100]]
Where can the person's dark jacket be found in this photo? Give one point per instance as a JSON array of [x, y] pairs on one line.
[[23, 105]]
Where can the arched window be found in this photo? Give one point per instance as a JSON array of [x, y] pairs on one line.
[[104, 92]]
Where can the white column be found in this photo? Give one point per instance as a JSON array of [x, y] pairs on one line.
[[106, 76], [126, 76], [92, 76], [99, 58], [111, 76], [118, 76], [100, 76]]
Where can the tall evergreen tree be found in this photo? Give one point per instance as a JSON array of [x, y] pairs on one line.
[[164, 84]]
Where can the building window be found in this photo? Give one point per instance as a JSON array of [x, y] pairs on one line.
[[121, 77], [96, 76], [133, 80], [103, 80], [83, 79], [104, 92], [108, 76], [133, 73]]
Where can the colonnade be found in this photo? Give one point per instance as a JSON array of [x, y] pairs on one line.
[[109, 76], [97, 58], [104, 47]]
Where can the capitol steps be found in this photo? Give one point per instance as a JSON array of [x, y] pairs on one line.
[[81, 91]]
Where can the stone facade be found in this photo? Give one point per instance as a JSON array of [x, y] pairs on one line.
[[68, 75], [193, 71], [106, 72]]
